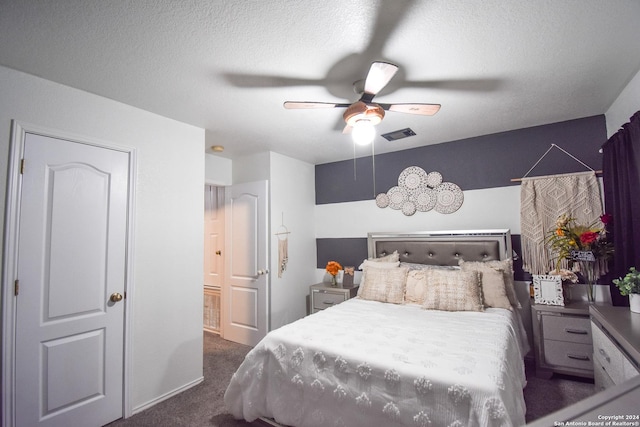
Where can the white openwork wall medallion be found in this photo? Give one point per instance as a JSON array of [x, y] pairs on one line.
[[419, 191]]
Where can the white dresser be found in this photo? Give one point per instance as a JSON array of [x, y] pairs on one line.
[[616, 344]]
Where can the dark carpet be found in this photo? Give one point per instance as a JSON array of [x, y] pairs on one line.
[[203, 406]]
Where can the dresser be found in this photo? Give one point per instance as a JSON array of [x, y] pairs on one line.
[[562, 339], [616, 345], [323, 295]]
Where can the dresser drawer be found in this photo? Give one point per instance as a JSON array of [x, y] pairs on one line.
[[567, 328], [607, 355], [568, 354], [322, 300], [601, 377], [610, 358]]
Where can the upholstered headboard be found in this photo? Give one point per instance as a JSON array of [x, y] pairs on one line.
[[442, 247]]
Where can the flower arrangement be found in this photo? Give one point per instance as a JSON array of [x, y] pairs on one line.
[[569, 237], [333, 267], [583, 248], [629, 284]]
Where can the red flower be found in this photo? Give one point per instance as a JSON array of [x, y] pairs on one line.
[[588, 237], [606, 218]]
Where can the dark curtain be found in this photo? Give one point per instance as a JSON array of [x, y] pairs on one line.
[[621, 179]]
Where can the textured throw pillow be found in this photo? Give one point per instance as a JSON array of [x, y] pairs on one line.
[[507, 270], [415, 266], [393, 258], [494, 288], [383, 284], [451, 290], [415, 287]]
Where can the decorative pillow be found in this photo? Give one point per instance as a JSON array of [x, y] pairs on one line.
[[383, 284], [416, 266], [507, 270], [415, 287], [494, 289], [450, 290], [378, 264], [391, 258]]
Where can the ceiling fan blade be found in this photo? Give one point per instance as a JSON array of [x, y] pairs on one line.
[[379, 75], [421, 109], [347, 130], [294, 105]]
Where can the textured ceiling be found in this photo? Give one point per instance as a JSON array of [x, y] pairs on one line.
[[227, 66]]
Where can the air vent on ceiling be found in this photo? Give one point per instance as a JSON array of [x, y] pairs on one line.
[[398, 134]]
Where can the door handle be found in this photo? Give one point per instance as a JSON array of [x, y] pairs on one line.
[[116, 297]]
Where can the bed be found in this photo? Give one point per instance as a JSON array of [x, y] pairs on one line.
[[431, 359]]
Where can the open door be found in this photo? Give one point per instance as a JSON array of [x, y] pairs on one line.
[[245, 294]]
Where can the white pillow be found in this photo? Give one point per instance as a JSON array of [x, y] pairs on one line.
[[383, 284], [378, 264], [415, 287], [451, 290], [507, 267]]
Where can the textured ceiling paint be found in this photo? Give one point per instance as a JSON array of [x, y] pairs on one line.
[[227, 66]]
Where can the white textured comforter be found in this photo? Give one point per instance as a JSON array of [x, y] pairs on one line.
[[366, 363]]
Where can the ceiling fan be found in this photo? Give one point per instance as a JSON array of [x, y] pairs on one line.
[[365, 112]]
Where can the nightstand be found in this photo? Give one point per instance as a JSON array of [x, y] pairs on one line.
[[562, 339], [323, 295]]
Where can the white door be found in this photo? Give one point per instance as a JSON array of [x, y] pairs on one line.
[[245, 293], [213, 236], [71, 271]]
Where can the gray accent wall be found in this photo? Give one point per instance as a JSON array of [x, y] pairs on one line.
[[481, 162]]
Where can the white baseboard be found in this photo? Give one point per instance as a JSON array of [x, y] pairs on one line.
[[166, 396]]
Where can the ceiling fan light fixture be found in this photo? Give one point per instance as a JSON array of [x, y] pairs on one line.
[[359, 110], [363, 132]]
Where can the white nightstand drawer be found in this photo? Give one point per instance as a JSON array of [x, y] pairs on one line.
[[322, 300], [568, 354], [567, 328]]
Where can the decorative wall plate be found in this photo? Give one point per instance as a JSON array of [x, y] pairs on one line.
[[434, 179], [450, 198], [412, 178], [382, 200], [426, 200], [409, 208], [397, 197]]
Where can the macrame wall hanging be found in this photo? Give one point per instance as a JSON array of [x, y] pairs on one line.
[[419, 191]]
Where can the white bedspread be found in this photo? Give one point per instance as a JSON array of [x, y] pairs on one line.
[[365, 363]]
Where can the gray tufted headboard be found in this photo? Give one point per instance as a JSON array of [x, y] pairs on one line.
[[442, 247]]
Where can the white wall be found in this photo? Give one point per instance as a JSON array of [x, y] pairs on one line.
[[292, 203], [626, 105], [217, 170], [168, 229]]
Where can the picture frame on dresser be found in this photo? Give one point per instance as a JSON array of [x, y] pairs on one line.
[[547, 289]]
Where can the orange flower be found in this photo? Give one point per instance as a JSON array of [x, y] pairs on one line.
[[333, 267], [559, 232]]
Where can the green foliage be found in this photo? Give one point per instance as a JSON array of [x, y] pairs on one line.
[[629, 284]]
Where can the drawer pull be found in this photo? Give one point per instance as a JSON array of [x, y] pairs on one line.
[[577, 356], [328, 303], [576, 331], [604, 354]]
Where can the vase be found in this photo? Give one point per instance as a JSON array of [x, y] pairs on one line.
[[590, 276], [634, 303], [334, 281]]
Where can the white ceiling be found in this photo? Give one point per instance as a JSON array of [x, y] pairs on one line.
[[227, 66]]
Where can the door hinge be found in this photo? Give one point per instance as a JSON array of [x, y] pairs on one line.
[[16, 287], [21, 166]]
